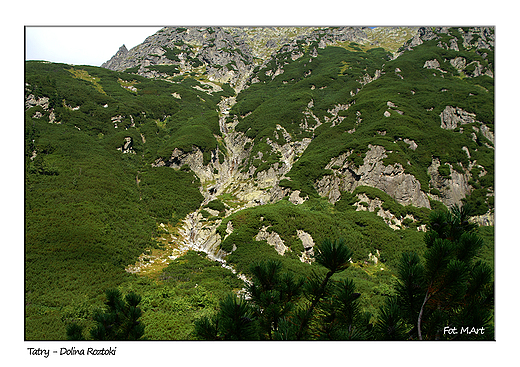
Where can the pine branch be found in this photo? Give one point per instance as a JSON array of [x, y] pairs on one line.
[[314, 302]]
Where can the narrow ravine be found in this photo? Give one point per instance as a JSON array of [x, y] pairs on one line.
[[194, 232], [223, 181]]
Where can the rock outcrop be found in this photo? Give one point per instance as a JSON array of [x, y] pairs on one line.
[[272, 239], [229, 54], [224, 57], [452, 117], [44, 103], [127, 146], [452, 188], [308, 246], [116, 60], [392, 179]]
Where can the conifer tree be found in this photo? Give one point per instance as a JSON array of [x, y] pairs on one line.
[[271, 296], [390, 324], [234, 321], [326, 310], [75, 332], [340, 315], [334, 256], [272, 293], [119, 321], [448, 289]]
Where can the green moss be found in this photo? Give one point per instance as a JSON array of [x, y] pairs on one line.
[[172, 53], [166, 69], [216, 205], [445, 171]]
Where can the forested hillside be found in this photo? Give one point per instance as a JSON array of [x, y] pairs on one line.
[[176, 167]]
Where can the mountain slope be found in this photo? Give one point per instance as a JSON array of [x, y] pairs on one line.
[[286, 90], [243, 144]]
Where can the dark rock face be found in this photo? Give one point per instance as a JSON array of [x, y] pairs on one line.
[[222, 55], [115, 60]]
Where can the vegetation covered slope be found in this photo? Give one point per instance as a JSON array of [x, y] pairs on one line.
[[346, 99], [264, 155], [93, 202]]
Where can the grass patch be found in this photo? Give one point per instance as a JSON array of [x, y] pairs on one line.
[[84, 75]]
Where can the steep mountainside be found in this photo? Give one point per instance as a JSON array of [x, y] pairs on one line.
[[248, 143], [324, 111]]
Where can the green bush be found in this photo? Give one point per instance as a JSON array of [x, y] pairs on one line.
[[91, 210], [166, 69], [445, 171], [216, 205], [170, 194]]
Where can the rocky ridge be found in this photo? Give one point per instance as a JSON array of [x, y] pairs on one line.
[[229, 54]]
